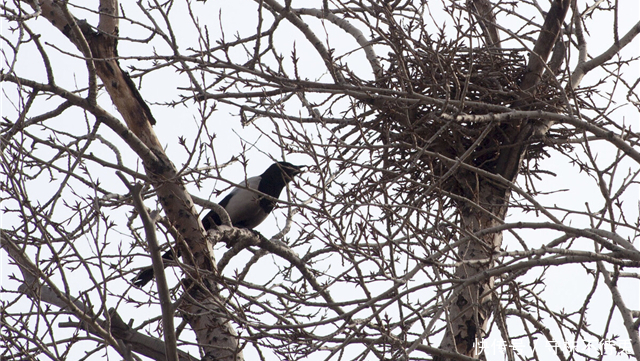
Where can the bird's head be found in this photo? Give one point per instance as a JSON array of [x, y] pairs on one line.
[[288, 170], [277, 176]]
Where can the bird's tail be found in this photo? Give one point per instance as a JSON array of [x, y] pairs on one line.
[[146, 274]]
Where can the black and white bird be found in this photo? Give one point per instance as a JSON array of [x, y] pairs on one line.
[[246, 207]]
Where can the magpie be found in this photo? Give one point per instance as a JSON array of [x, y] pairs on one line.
[[246, 207]]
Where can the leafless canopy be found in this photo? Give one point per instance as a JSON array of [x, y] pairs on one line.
[[472, 190]]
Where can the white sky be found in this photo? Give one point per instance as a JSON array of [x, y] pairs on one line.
[[562, 286]]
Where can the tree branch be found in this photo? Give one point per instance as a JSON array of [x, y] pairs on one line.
[[584, 67], [166, 306], [545, 43]]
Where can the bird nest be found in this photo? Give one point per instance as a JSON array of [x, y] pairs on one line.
[[439, 81]]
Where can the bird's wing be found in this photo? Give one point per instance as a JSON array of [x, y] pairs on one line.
[[226, 199], [212, 216], [243, 205]]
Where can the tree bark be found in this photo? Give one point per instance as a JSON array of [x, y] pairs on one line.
[[99, 48], [471, 307]]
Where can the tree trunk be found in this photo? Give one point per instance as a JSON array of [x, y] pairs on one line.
[[471, 307], [204, 308]]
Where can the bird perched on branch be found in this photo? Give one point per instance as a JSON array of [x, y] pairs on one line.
[[246, 205]]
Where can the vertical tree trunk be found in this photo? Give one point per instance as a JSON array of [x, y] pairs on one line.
[[205, 312], [204, 309], [471, 307]]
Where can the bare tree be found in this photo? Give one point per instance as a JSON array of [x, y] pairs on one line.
[[440, 139]]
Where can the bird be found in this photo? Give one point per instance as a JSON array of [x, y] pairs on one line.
[[246, 207]]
